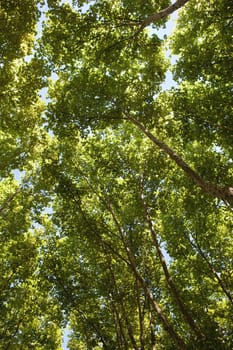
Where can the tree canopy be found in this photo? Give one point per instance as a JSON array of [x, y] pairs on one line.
[[116, 195]]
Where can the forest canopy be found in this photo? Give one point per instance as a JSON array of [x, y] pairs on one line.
[[116, 195]]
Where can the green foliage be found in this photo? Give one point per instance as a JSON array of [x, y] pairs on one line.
[[102, 228], [17, 26], [203, 100]]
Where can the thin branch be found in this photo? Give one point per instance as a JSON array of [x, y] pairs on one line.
[[212, 269], [96, 233]]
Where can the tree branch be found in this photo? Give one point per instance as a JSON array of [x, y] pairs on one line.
[[162, 14], [224, 193], [197, 247]]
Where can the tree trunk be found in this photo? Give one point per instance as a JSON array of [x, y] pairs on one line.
[[132, 264], [123, 310], [140, 317], [175, 292], [224, 193], [168, 327]]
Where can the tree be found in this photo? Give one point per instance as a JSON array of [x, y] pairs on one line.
[[120, 224]]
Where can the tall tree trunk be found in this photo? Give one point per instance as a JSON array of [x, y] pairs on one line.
[[167, 325], [132, 265], [152, 333], [175, 292], [162, 317], [224, 193], [121, 336], [140, 316], [123, 310], [122, 342]]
